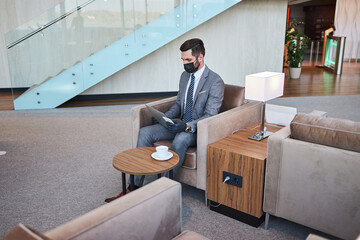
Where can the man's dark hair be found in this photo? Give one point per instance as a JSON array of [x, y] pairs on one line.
[[196, 45]]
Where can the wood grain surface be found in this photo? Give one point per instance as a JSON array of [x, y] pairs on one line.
[[138, 161], [244, 157]]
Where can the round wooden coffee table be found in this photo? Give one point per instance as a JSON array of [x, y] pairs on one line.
[[138, 161]]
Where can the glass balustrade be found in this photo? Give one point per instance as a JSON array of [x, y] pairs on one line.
[[72, 31], [96, 38]]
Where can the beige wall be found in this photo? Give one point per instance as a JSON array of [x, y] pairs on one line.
[[245, 39], [14, 13], [347, 23]]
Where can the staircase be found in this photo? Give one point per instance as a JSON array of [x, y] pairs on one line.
[[70, 82]]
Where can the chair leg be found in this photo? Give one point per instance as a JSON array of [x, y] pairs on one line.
[[206, 201], [267, 217]]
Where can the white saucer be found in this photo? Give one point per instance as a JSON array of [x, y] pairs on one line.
[[155, 156]]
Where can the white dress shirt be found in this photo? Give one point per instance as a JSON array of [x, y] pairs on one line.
[[197, 75]]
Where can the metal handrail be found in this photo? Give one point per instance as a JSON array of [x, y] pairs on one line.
[[48, 24]]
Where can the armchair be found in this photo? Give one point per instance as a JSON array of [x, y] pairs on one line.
[[151, 212], [312, 174], [235, 113]]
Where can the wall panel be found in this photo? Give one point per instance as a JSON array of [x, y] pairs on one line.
[[347, 23], [246, 39]]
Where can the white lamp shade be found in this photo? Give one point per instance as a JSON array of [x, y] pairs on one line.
[[264, 86]]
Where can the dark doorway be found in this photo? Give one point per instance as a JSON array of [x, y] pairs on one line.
[[316, 16]]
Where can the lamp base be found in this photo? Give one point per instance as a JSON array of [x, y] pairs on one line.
[[260, 135]]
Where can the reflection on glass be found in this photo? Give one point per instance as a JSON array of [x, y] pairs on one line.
[[330, 53]]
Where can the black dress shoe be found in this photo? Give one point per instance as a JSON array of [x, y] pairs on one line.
[[118, 196]]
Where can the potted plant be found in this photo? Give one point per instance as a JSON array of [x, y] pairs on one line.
[[296, 45]]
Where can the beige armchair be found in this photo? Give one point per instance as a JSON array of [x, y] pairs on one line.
[[151, 212], [312, 175], [234, 114]]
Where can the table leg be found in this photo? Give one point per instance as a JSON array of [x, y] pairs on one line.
[[132, 182], [123, 183], [171, 174]]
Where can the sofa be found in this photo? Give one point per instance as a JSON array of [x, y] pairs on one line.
[[151, 212], [235, 113], [313, 175]]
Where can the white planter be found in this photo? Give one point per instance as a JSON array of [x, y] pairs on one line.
[[294, 72]]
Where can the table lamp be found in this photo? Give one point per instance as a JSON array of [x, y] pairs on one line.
[[263, 87]]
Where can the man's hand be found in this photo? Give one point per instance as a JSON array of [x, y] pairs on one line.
[[154, 121], [176, 127]]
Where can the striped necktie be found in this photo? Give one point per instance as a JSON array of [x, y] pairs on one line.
[[189, 101]]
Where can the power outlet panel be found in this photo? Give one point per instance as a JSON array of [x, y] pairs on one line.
[[235, 180]]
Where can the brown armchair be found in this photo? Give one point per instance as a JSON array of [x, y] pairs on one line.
[[235, 114]]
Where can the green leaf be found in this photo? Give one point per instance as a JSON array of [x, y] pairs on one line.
[[296, 43]]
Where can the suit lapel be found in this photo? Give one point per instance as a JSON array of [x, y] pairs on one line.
[[201, 83]]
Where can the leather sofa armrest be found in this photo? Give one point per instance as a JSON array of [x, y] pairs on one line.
[[218, 127], [273, 161], [141, 117]]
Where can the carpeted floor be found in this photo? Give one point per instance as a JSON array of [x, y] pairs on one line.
[[341, 106], [58, 163], [58, 166]]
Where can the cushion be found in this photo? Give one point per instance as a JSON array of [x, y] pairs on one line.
[[189, 235], [233, 97], [24, 233], [190, 157], [339, 133]]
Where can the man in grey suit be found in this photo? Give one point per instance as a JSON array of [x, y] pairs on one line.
[[200, 95]]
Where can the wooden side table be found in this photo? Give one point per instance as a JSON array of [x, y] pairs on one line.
[[243, 160], [138, 161]]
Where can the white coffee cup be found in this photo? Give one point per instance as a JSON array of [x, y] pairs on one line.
[[162, 151]]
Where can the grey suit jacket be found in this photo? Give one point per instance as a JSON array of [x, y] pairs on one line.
[[207, 100]]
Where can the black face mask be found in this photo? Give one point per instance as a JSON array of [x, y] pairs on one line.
[[190, 67]]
